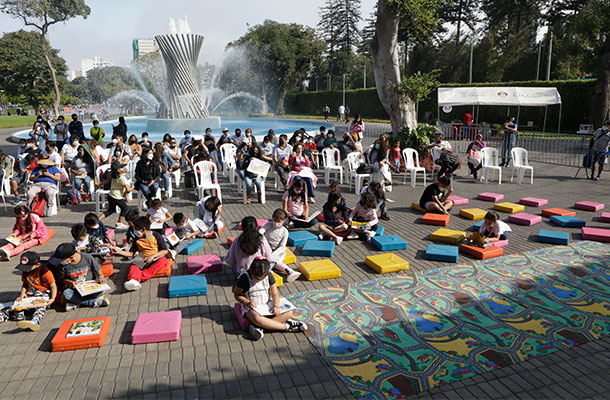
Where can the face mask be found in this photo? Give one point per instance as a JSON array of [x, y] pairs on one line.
[[248, 134], [114, 141], [149, 156], [81, 153], [117, 153], [39, 120], [138, 234], [29, 146], [299, 137], [188, 136], [278, 225], [225, 133], [238, 134], [95, 226], [282, 142], [377, 146], [297, 191], [95, 125], [145, 140], [331, 136], [75, 143], [172, 146], [84, 241]]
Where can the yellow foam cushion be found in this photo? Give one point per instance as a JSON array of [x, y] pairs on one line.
[[320, 269], [447, 236], [386, 263], [473, 213], [417, 207], [279, 281], [509, 207], [290, 257]]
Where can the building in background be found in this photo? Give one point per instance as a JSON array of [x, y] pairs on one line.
[[74, 73], [87, 64], [143, 46]]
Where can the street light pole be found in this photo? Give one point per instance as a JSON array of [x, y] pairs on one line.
[[343, 90], [365, 74]]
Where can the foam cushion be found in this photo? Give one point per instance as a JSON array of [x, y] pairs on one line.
[[509, 207], [320, 269], [319, 248], [437, 252], [598, 234], [417, 207], [501, 243], [380, 230], [458, 201], [435, 219], [447, 236], [244, 322], [203, 264], [51, 232], [553, 237], [107, 267], [390, 242], [320, 217], [524, 219], [290, 257], [567, 221], [298, 238], [62, 343], [386, 263], [188, 285], [533, 201], [482, 253], [157, 327], [588, 206], [279, 281], [478, 225], [473, 213], [192, 247], [231, 240], [490, 196], [557, 211], [259, 222], [605, 217], [110, 233], [167, 271]]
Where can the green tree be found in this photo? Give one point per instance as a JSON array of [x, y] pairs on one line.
[[23, 70], [107, 81], [42, 14]]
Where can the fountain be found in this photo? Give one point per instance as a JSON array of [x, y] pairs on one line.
[[183, 106]]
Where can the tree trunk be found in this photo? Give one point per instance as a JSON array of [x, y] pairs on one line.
[[280, 102], [459, 24], [600, 109], [55, 84], [384, 51]]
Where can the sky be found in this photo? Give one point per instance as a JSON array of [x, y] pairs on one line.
[[113, 24]]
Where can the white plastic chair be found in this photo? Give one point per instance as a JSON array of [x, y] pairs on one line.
[[2, 191], [332, 164], [142, 199], [5, 185], [489, 160], [204, 173], [99, 193], [412, 165], [228, 151], [353, 162], [520, 161], [176, 174]]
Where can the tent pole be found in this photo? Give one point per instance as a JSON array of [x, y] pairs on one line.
[[546, 109], [559, 121], [518, 114], [508, 111]]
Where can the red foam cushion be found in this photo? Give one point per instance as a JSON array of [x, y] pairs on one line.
[[62, 343], [481, 253], [435, 219], [107, 267], [549, 212]]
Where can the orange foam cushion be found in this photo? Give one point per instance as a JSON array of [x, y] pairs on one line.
[[231, 240], [167, 271], [107, 267], [61, 343], [549, 212], [51, 233], [481, 253], [435, 219]]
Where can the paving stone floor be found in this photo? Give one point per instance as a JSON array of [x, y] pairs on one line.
[[214, 359]]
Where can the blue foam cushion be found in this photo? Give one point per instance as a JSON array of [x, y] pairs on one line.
[[298, 238], [319, 248], [567, 221], [188, 285], [389, 242], [553, 237], [380, 230], [439, 252], [478, 225], [192, 247]]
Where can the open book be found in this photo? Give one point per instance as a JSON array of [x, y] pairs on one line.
[[359, 226], [173, 239], [311, 217], [14, 240], [85, 328], [139, 260], [278, 254], [91, 287], [30, 302], [267, 309], [156, 225]]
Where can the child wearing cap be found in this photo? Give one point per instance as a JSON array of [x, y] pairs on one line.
[[37, 281]]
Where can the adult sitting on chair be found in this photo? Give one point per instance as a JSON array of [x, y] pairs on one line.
[[244, 157], [148, 172], [438, 146], [45, 177], [82, 169], [281, 153], [166, 164], [301, 169]]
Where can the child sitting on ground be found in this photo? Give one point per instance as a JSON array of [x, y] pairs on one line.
[[366, 212], [157, 214], [28, 231], [377, 189], [153, 249], [97, 230], [336, 213], [248, 246], [186, 230], [208, 210], [492, 230], [82, 243], [434, 197], [257, 287], [277, 235], [130, 236], [37, 281], [294, 202]]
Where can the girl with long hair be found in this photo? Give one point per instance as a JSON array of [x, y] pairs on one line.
[[294, 202], [248, 246], [28, 231]]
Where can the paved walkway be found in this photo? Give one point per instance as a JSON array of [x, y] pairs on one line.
[[214, 359]]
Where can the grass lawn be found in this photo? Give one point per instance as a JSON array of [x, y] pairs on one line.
[[16, 121]]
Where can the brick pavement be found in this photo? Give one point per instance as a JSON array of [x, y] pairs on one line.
[[214, 359]]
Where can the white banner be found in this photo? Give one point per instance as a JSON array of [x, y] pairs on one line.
[[498, 96]]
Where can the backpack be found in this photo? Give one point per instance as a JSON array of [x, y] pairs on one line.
[[39, 204], [449, 159], [189, 179], [74, 196]]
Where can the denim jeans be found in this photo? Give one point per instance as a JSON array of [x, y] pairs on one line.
[[149, 192], [510, 139], [167, 182], [73, 296], [258, 181], [86, 180]]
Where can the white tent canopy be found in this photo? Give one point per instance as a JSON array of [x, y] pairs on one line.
[[498, 96]]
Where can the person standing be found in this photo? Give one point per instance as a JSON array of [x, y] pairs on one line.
[[120, 130], [326, 112], [97, 132], [510, 139], [61, 132], [76, 129], [599, 146], [341, 113], [356, 128]]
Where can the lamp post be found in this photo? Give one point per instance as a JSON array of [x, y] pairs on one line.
[[365, 74], [343, 90]]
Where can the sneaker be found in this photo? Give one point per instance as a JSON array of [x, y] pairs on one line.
[[338, 240], [3, 316], [293, 276], [352, 236], [256, 332], [296, 326], [132, 285], [120, 225], [71, 306], [172, 253], [19, 316], [4, 255], [385, 217], [17, 200], [369, 236], [597, 178], [312, 200], [321, 236], [290, 225], [32, 325], [101, 301]]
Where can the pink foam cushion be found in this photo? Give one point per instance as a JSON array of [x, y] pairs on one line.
[[490, 196], [524, 219], [259, 222], [157, 327], [169, 230], [601, 235], [203, 264], [588, 206], [110, 233], [533, 201], [605, 217], [457, 200], [243, 321], [501, 243]]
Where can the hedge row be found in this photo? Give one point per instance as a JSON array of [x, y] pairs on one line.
[[576, 96]]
